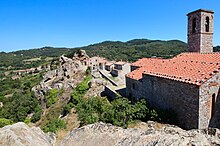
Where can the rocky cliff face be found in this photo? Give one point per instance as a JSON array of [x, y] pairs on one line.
[[101, 134], [20, 134], [66, 76]]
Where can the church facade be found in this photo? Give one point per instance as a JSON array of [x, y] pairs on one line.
[[187, 84]]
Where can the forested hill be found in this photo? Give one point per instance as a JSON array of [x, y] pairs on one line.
[[113, 50], [30, 58], [135, 49]]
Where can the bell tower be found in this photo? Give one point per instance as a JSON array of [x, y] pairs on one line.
[[200, 31]]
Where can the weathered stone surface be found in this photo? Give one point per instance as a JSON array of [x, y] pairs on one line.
[[182, 98], [20, 134], [101, 134], [97, 86], [66, 76], [200, 40]]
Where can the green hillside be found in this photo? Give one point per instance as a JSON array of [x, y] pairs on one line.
[[135, 49], [113, 50], [22, 59]]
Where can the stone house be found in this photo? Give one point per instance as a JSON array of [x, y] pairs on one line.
[[95, 62], [120, 67], [187, 84], [109, 66]]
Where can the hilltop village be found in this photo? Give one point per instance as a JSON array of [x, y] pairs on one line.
[[187, 84], [62, 95]]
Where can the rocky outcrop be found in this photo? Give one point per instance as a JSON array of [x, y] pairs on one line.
[[66, 76], [20, 134], [101, 134], [96, 87]]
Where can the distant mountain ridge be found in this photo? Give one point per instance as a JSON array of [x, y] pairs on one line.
[[113, 50]]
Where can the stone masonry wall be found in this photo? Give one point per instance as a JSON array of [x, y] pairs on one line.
[[207, 90], [169, 95], [126, 68], [200, 41], [194, 43], [207, 37], [133, 89]]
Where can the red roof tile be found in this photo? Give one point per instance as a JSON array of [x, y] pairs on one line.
[[194, 68]]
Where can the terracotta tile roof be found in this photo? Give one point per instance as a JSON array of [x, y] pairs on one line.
[[148, 61], [200, 57], [136, 74], [193, 68]]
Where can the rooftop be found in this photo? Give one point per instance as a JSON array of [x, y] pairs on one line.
[[109, 63], [201, 10], [193, 68], [120, 63]]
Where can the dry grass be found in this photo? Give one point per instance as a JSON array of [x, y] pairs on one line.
[[71, 123]]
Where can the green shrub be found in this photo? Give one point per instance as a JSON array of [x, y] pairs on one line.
[[27, 120], [78, 93], [18, 106], [4, 122], [37, 114], [92, 110], [54, 125], [119, 112], [52, 97]]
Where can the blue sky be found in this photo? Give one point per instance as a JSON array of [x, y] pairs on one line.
[[27, 24]]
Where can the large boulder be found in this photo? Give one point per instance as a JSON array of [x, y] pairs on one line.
[[20, 134], [101, 134]]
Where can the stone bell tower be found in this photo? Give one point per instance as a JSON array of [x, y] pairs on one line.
[[200, 31]]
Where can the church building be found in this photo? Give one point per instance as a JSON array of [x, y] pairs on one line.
[[187, 84]]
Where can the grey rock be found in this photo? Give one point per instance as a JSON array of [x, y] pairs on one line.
[[20, 134], [101, 134], [66, 76]]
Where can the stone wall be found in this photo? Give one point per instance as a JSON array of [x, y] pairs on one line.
[[194, 42], [134, 89], [209, 90], [126, 68], [206, 43], [170, 95]]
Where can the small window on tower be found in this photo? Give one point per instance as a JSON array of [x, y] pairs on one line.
[[194, 25], [207, 24]]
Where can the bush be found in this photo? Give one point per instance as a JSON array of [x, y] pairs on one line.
[[92, 110], [123, 112], [119, 112], [54, 125], [78, 94], [27, 120], [37, 114], [18, 107], [52, 97], [4, 122]]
